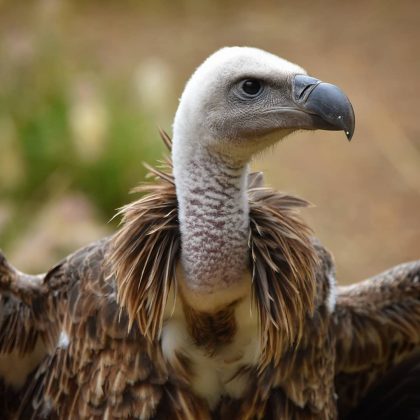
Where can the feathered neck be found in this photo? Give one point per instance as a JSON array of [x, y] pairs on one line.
[[213, 213], [146, 252]]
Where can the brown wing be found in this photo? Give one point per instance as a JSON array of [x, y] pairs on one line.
[[396, 396], [103, 368], [19, 331], [29, 327], [377, 326]]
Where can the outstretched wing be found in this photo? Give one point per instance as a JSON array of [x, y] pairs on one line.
[[396, 396], [377, 326], [103, 367], [29, 327]]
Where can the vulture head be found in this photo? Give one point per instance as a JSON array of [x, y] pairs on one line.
[[241, 100], [237, 103]]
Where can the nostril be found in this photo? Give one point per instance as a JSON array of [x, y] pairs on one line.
[[305, 89], [303, 85]]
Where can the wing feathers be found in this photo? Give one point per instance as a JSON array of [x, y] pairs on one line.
[[397, 395], [110, 297], [376, 327]]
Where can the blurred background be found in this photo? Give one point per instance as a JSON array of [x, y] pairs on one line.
[[85, 85]]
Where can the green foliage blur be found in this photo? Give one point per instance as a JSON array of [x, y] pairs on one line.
[[63, 130], [84, 87]]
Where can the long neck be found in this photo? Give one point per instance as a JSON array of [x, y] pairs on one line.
[[214, 224]]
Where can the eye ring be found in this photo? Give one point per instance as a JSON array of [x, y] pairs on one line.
[[251, 87]]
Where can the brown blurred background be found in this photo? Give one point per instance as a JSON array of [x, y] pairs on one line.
[[83, 86]]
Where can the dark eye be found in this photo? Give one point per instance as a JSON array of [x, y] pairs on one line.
[[252, 87]]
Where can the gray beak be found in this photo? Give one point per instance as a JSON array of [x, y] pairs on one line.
[[328, 106]]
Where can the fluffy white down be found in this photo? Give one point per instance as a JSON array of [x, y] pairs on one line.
[[189, 132], [213, 375]]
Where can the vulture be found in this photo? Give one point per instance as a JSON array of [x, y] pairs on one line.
[[213, 300]]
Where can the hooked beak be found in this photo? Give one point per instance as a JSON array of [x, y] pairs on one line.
[[326, 105]]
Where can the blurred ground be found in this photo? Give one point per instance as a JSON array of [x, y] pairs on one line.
[[84, 86]]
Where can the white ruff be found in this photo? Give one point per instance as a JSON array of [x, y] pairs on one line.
[[212, 375], [332, 293]]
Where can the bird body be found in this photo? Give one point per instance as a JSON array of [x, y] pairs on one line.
[[212, 300], [203, 363]]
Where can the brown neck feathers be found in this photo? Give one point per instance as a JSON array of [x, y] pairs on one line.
[[282, 259]]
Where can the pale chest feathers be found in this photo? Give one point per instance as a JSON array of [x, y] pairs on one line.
[[217, 347]]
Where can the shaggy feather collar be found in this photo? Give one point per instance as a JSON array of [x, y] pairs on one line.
[[282, 260]]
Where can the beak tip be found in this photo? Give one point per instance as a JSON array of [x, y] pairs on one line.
[[349, 124], [326, 101]]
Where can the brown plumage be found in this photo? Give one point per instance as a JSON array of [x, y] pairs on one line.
[[124, 336], [378, 326], [212, 300], [282, 256], [113, 364]]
